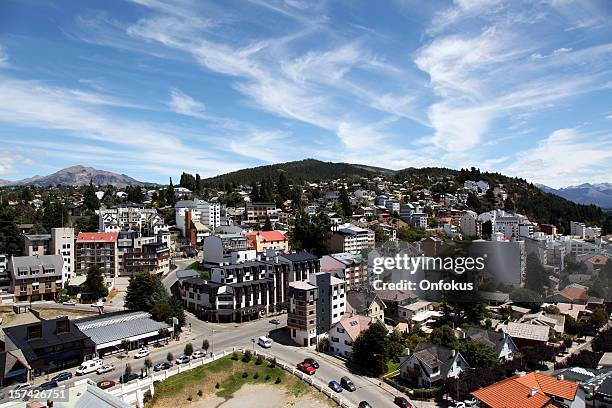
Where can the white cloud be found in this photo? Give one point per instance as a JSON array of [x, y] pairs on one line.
[[565, 157], [6, 162], [185, 105], [3, 57], [561, 51]]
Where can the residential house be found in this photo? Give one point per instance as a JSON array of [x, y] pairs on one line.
[[531, 390], [430, 365], [526, 334], [344, 333], [262, 240], [350, 238], [500, 342], [365, 303]]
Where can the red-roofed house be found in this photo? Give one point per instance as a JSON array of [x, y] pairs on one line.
[[98, 248], [345, 332], [262, 240], [531, 390]]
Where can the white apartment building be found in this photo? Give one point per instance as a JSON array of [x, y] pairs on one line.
[[350, 238], [452, 231], [124, 218], [577, 229], [331, 302], [208, 213], [62, 243]]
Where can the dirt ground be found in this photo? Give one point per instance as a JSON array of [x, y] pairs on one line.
[[261, 396]]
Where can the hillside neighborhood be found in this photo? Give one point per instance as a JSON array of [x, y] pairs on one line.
[[287, 259]]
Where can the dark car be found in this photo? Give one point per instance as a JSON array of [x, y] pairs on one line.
[[48, 385], [126, 378], [162, 366], [275, 321], [347, 384], [333, 384], [364, 404], [312, 362], [62, 376], [402, 402]]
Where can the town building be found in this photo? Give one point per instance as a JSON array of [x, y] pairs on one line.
[[430, 365], [208, 213], [145, 221], [365, 303], [263, 240], [36, 244], [526, 334], [62, 243], [350, 238], [47, 346], [534, 389], [343, 334], [98, 248], [107, 332], [331, 300], [302, 313], [500, 342], [344, 265], [470, 225], [36, 277], [5, 281], [258, 213], [301, 264]]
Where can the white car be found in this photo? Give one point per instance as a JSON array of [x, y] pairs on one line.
[[470, 402], [105, 369], [457, 405], [197, 354], [182, 359], [142, 353], [69, 303]]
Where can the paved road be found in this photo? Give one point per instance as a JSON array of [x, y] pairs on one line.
[[227, 336]]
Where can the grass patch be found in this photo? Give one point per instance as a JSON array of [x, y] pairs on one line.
[[392, 366], [298, 388]]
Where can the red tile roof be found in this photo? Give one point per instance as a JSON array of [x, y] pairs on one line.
[[97, 236], [515, 392], [575, 293], [268, 236]]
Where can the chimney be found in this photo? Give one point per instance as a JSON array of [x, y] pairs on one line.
[[454, 353], [406, 351], [533, 392]]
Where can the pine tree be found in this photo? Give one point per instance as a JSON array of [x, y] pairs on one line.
[[89, 197], [94, 283], [170, 197], [345, 202]]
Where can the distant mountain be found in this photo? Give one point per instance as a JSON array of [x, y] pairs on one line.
[[307, 170], [4, 182], [78, 176], [598, 194]]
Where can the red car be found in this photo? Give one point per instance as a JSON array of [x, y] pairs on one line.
[[402, 402], [105, 384], [306, 368]]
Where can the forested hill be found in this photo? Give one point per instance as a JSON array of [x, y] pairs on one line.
[[305, 170]]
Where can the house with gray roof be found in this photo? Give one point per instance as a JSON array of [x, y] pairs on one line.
[[37, 277], [500, 342], [431, 364]]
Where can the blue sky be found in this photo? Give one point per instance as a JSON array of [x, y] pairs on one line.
[[152, 88]]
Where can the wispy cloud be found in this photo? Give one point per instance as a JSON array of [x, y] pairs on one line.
[[185, 105]]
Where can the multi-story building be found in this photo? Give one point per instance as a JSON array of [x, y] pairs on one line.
[[470, 225], [301, 265], [37, 244], [208, 213], [5, 281], [43, 347], [62, 243], [350, 238], [36, 277], [98, 248], [258, 213], [146, 221], [331, 302], [349, 267], [263, 240], [302, 313], [418, 220], [225, 249], [152, 257], [577, 229]]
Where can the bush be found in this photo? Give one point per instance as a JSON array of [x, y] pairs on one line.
[[273, 362], [267, 377], [278, 380], [245, 374], [217, 385], [190, 398], [259, 360], [147, 397], [234, 356], [247, 356], [256, 375], [200, 393]]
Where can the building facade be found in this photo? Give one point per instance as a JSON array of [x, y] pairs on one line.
[[36, 277]]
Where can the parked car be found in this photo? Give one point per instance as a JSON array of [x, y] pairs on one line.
[[89, 366], [470, 402], [182, 359], [334, 385], [143, 352], [275, 321], [197, 354], [312, 362], [105, 384], [23, 386], [347, 384], [306, 368], [364, 404], [162, 366], [402, 402], [69, 303], [107, 368], [457, 405], [62, 376], [48, 385], [264, 342], [126, 378]]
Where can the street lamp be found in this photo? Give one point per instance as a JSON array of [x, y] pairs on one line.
[[253, 341]]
